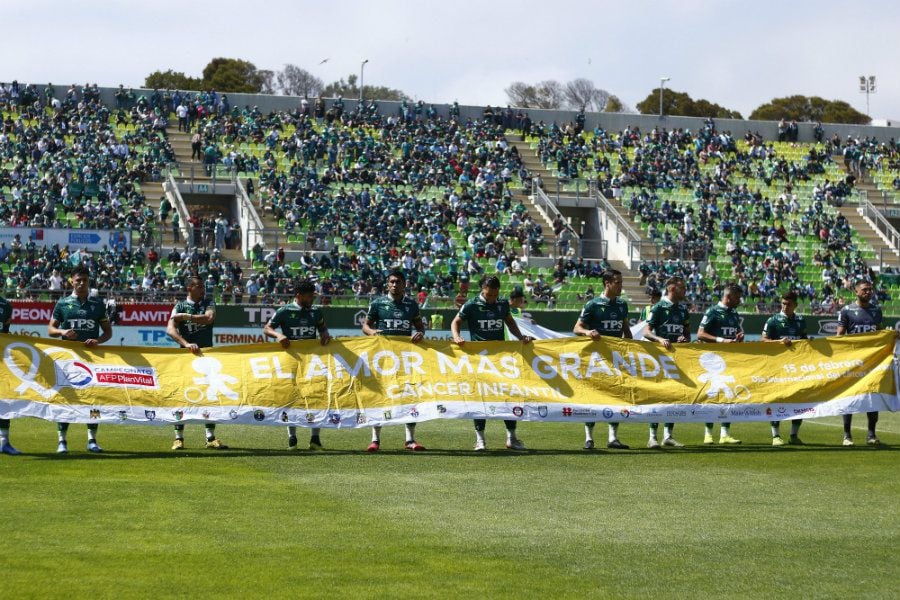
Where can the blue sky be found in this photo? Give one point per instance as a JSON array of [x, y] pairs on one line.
[[737, 54]]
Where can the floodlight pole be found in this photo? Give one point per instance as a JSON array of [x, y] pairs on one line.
[[867, 87], [362, 70], [662, 84]]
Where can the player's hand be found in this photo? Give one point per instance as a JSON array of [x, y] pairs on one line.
[[417, 337], [526, 339], [786, 342], [324, 339], [90, 343], [682, 339], [665, 343], [285, 342], [69, 334], [194, 348], [459, 340], [595, 335], [739, 337]]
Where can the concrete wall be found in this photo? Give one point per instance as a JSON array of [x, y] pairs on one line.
[[613, 122]]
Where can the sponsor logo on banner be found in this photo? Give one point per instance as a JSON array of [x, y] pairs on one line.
[[178, 414], [492, 409], [359, 318], [388, 415], [676, 413], [150, 414], [310, 417], [259, 415], [804, 411], [518, 411], [768, 412], [94, 413], [334, 418], [567, 411], [608, 413], [625, 413], [441, 408], [361, 419], [414, 412], [542, 411], [746, 412], [205, 414], [284, 416], [123, 414], [233, 414]]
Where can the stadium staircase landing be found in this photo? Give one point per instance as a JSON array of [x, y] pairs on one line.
[[860, 224], [631, 287]]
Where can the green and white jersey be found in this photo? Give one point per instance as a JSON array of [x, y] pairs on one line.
[[721, 321], [195, 333], [485, 321], [6, 311], [298, 323], [670, 321], [393, 318], [781, 326], [82, 317], [606, 316]]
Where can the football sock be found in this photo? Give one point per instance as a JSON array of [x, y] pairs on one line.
[[653, 429], [668, 429], [314, 433], [376, 434], [292, 431], [795, 427], [848, 422], [776, 428], [709, 428], [62, 429], [410, 432], [479, 435], [613, 433], [179, 432], [4, 435], [723, 430], [873, 421], [479, 424], [588, 431], [210, 432], [92, 433]]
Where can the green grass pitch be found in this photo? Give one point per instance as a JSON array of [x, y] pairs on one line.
[[753, 521]]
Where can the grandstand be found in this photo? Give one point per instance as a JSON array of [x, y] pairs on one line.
[[344, 196]]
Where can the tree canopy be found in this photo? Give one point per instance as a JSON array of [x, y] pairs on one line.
[[578, 94], [350, 89], [813, 108], [682, 105]]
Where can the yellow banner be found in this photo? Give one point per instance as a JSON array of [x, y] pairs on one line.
[[377, 380]]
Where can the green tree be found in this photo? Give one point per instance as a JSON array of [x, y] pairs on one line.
[[233, 75], [173, 80], [681, 104], [812, 108], [350, 89], [614, 105]]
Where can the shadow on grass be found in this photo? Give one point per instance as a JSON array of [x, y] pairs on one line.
[[498, 453]]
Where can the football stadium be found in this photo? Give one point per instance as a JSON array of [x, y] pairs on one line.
[[268, 337]]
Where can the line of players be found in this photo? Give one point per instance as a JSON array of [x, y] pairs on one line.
[[488, 317]]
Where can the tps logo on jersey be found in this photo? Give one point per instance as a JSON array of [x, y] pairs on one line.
[[714, 366]]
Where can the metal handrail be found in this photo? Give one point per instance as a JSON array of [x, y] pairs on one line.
[[871, 212]]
